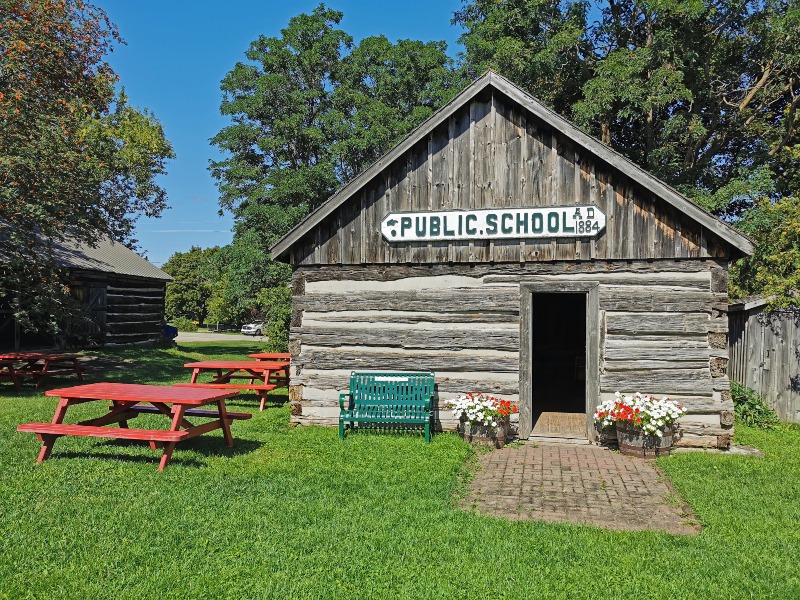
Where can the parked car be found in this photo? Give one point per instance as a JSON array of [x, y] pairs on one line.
[[257, 328]]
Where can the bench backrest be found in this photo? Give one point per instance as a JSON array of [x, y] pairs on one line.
[[394, 388]]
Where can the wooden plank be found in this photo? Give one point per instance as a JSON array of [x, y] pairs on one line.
[[389, 359], [412, 337], [696, 382], [642, 225], [677, 361], [620, 298], [619, 248], [447, 300], [470, 319], [663, 323], [672, 350], [671, 282], [379, 273], [59, 429]]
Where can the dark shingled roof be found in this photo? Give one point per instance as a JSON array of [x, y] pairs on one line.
[[108, 257]]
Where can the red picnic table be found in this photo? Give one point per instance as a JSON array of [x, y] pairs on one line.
[[264, 376], [129, 401], [16, 365], [279, 377]]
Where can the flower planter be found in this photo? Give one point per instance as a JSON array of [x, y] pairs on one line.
[[634, 442], [485, 436], [606, 435]]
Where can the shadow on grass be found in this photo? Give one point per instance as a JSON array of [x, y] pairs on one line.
[[209, 448], [227, 348]]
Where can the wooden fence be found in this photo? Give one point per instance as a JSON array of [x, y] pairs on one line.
[[765, 355]]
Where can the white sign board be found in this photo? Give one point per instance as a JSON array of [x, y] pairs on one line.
[[494, 224]]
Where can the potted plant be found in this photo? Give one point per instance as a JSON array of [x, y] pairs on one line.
[[644, 426], [482, 418]]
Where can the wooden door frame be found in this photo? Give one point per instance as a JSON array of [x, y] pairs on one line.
[[527, 290]]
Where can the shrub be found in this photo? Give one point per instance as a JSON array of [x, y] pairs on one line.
[[277, 302], [184, 324], [751, 408]]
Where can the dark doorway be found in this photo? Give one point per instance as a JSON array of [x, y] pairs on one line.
[[558, 386]]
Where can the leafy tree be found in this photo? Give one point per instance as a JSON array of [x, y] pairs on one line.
[[276, 304], [193, 273], [69, 167], [541, 45], [310, 109], [774, 269], [245, 269], [704, 93], [280, 139], [381, 92]]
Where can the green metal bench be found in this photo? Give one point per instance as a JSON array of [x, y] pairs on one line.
[[387, 400]]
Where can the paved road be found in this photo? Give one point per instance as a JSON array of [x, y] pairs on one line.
[[202, 336]]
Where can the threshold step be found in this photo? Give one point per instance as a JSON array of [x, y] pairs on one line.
[[544, 439]]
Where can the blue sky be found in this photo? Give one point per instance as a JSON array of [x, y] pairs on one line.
[[178, 51]]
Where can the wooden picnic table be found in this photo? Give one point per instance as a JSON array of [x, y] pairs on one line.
[[129, 401], [279, 377], [264, 376], [8, 372], [39, 365]]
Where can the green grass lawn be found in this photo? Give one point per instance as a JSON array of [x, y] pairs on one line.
[[293, 513]]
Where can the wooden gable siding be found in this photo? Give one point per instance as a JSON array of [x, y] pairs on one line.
[[492, 154]]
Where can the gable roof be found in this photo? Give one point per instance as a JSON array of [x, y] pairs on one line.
[[108, 257], [557, 122]]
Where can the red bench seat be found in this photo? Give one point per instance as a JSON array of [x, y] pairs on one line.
[[148, 435]]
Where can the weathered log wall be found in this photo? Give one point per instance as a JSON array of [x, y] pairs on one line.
[[662, 330], [493, 153], [125, 310], [135, 312]]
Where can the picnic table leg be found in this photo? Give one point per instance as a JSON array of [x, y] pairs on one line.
[[177, 419], [13, 375], [43, 373], [49, 440], [195, 373], [79, 371], [123, 424], [225, 423]]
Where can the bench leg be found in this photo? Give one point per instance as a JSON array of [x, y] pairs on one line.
[[428, 432], [225, 423], [177, 420], [48, 440], [165, 458], [47, 446], [341, 429]]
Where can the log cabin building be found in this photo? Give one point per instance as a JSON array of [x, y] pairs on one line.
[[123, 294], [507, 251]]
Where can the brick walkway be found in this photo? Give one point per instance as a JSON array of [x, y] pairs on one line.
[[578, 484]]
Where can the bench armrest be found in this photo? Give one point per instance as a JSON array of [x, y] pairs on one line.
[[342, 398]]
